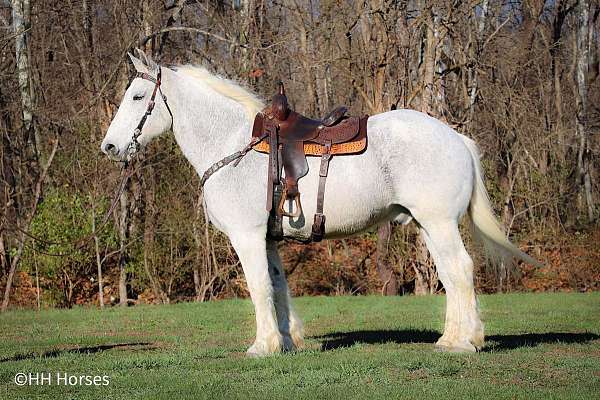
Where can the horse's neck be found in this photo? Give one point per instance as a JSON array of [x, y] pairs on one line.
[[207, 125]]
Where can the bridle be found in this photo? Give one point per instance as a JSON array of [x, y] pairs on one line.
[[134, 146]]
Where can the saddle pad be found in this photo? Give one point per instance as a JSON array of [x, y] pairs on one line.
[[315, 149]]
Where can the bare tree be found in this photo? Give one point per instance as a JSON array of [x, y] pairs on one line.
[[21, 14], [582, 78]]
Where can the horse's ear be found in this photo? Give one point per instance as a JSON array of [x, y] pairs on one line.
[[147, 60], [152, 66], [140, 54], [137, 63]]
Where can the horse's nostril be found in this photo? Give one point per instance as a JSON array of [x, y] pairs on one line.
[[109, 148]]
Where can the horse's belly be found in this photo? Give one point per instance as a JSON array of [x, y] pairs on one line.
[[358, 195]]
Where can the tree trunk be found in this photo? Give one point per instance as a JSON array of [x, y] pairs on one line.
[[199, 250], [246, 8], [380, 35], [583, 152], [37, 283], [149, 192], [4, 260], [473, 71], [384, 269], [554, 49], [429, 61], [21, 12], [98, 258], [124, 225], [313, 98], [11, 273], [173, 18], [426, 280]]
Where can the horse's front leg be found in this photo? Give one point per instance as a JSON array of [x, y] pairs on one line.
[[251, 250]]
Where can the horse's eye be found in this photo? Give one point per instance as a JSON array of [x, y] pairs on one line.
[[138, 97]]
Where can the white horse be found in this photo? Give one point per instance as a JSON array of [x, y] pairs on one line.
[[415, 167]]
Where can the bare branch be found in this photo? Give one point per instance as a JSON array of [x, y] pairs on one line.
[[495, 33], [145, 40]]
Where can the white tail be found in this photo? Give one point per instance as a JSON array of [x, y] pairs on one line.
[[486, 227]]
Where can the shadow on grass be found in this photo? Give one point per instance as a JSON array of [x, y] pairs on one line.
[[82, 350], [509, 342], [338, 340]]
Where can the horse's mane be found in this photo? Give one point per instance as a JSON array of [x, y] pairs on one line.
[[251, 102]]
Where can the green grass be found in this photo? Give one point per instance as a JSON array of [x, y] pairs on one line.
[[539, 346]]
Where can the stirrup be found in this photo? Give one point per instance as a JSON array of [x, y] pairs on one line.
[[296, 199]]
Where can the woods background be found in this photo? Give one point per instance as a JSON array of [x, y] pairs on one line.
[[520, 77]]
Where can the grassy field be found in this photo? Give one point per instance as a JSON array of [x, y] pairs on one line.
[[539, 346]]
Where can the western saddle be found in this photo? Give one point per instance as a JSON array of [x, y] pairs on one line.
[[289, 137]]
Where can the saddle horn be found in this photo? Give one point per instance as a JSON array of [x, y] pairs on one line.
[[279, 105]]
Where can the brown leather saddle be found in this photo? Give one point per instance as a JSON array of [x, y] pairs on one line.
[[289, 138]]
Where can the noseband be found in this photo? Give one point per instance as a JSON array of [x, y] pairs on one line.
[[134, 146]]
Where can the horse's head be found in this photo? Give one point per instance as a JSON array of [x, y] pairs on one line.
[[123, 137]]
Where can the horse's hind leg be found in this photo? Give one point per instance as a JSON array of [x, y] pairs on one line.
[[463, 329], [290, 326]]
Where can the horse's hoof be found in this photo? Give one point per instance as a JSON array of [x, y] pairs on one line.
[[273, 344], [297, 337], [457, 347], [257, 351], [297, 332]]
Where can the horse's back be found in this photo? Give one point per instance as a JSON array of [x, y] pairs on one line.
[[414, 130]]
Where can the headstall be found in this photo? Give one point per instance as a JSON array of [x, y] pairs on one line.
[[134, 146]]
